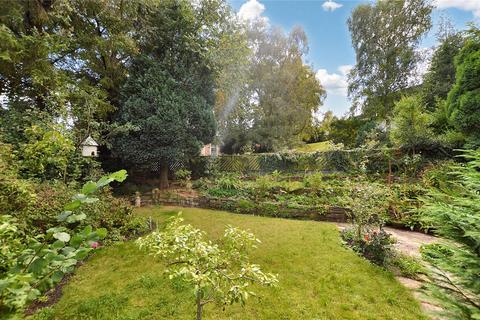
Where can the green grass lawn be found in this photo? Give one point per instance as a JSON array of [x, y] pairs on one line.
[[319, 279], [317, 146]]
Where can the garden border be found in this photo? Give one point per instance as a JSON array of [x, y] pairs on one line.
[[330, 213]]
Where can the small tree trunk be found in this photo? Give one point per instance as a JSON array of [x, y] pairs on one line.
[[199, 305], [164, 175], [389, 172]]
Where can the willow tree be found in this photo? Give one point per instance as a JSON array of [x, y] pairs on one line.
[[384, 36]]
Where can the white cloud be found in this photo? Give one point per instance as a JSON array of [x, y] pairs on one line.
[[252, 10], [335, 83], [345, 69], [331, 5], [467, 5]]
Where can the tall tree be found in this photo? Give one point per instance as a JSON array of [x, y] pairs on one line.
[[276, 104], [105, 38], [345, 130], [440, 76], [463, 101], [384, 37], [169, 96], [65, 59], [32, 88]]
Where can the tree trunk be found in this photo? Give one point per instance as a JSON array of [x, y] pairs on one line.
[[389, 180], [164, 175], [199, 305]]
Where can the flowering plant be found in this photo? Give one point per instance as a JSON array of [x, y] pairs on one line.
[[376, 245]]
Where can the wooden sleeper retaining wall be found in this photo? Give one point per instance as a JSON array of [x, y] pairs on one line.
[[331, 213]]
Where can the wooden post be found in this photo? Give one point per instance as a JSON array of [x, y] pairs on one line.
[[138, 200]]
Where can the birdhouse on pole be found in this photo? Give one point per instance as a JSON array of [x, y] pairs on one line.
[[89, 147]]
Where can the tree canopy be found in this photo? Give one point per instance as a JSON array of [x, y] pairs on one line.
[[166, 113], [464, 99], [410, 127], [385, 35], [280, 94], [440, 76]]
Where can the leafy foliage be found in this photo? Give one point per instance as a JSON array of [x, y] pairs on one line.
[[407, 266], [33, 264], [464, 99], [167, 103], [451, 210], [217, 272], [440, 77], [63, 53], [46, 154], [384, 37], [375, 246], [274, 104], [368, 207], [184, 176], [410, 127]]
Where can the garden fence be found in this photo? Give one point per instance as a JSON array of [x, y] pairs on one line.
[[325, 161]]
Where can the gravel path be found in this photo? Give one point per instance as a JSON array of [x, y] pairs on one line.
[[409, 243]]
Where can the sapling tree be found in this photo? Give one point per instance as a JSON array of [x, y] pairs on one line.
[[218, 272], [366, 212], [367, 203]]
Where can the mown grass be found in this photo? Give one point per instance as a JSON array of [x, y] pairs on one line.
[[317, 146], [319, 279]]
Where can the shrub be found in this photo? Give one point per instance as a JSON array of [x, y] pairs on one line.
[[412, 164], [268, 209], [184, 176], [368, 207], [136, 226], [314, 180], [244, 205], [39, 216], [376, 246], [407, 266], [201, 183], [439, 175], [15, 194], [46, 154], [452, 212], [263, 185], [11, 242], [228, 182], [35, 264], [222, 193]]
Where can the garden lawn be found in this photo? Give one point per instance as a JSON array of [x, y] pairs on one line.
[[315, 147], [319, 279]]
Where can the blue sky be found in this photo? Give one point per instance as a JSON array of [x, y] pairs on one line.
[[324, 21]]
